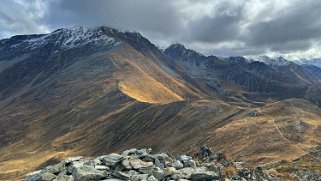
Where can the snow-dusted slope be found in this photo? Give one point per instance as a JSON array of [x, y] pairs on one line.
[[315, 62], [66, 38], [279, 61]]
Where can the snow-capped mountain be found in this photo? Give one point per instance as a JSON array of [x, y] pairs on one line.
[[61, 39], [316, 62], [278, 61]]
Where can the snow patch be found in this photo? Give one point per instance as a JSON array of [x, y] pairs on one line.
[[279, 61], [70, 38]]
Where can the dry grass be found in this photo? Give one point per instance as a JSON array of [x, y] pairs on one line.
[[273, 172], [230, 170]]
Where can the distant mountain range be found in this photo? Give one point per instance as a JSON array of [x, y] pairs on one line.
[[88, 91]]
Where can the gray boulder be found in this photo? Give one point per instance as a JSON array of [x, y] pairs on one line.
[[139, 177], [129, 152], [144, 151], [74, 165], [71, 159], [101, 167], [183, 158], [151, 178], [137, 163], [177, 164], [158, 173], [188, 171], [159, 164], [55, 169], [48, 176], [88, 173], [62, 177], [205, 176], [34, 176], [111, 159]]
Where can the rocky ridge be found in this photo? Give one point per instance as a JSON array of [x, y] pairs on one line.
[[140, 164]]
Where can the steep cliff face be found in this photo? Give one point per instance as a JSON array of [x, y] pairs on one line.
[[86, 91]]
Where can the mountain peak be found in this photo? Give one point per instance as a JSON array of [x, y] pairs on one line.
[[177, 46], [60, 39], [278, 61], [179, 51]]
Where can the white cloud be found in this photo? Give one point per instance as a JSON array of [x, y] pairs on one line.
[[22, 17]]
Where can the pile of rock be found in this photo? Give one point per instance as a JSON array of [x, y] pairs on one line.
[[140, 164]]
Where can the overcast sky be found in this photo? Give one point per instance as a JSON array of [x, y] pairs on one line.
[[291, 28]]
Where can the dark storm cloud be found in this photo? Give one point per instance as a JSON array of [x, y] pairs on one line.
[[297, 24], [222, 26], [148, 16], [219, 28]]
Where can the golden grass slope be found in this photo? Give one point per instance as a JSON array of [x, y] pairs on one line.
[[257, 140], [140, 78]]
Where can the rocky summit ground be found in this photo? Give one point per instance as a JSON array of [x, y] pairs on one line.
[[141, 164]]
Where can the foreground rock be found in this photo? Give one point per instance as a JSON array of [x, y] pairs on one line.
[[140, 165]]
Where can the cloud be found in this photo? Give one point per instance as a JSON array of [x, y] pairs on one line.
[[223, 27], [21, 17], [154, 18], [298, 23]]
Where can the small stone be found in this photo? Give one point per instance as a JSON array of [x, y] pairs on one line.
[[137, 163], [213, 167], [147, 158], [62, 177], [71, 159], [90, 163], [163, 157], [97, 161], [144, 151], [126, 163], [158, 173], [140, 177], [219, 156], [151, 178], [205, 153], [48, 176], [188, 171], [204, 176], [170, 171], [101, 167], [55, 169], [146, 170], [190, 163], [74, 165], [201, 169], [125, 175], [129, 152], [159, 164], [183, 158], [122, 175], [111, 159], [175, 177], [177, 164], [88, 173], [33, 176]]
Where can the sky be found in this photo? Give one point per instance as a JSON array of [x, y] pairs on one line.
[[289, 28]]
